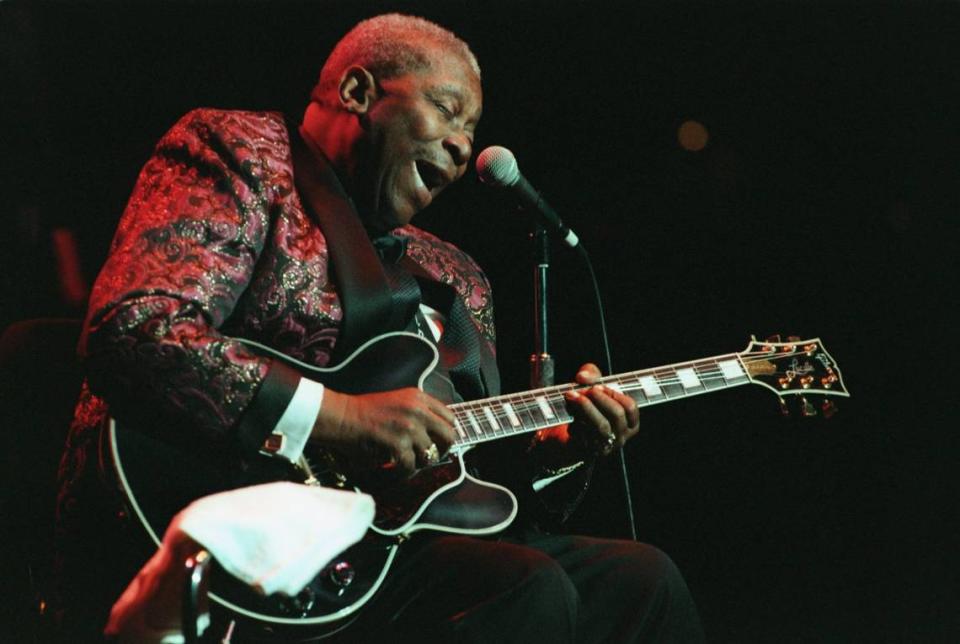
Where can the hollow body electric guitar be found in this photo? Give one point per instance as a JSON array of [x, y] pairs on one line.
[[158, 479]]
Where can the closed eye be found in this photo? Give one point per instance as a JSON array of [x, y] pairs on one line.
[[444, 109]]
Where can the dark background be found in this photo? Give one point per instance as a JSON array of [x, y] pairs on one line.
[[824, 204]]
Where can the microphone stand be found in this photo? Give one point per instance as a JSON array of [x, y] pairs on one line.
[[541, 362]]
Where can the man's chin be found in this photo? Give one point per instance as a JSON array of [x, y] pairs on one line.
[[400, 215], [385, 222]]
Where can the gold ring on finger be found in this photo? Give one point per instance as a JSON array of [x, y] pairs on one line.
[[611, 441]]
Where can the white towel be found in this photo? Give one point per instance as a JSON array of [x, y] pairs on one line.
[[275, 537]]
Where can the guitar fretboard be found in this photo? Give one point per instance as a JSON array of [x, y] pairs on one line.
[[483, 420]]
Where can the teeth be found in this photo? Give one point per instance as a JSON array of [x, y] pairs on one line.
[[416, 173]]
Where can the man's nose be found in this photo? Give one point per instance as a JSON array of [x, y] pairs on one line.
[[459, 147]]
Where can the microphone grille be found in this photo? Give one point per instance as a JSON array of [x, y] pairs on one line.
[[497, 166]]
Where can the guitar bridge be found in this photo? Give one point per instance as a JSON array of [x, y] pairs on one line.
[[329, 463]]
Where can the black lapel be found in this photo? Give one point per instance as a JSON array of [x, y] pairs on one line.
[[364, 293]]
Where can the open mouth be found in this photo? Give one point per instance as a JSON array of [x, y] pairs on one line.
[[431, 176]]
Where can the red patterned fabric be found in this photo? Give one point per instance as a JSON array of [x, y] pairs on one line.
[[215, 243]]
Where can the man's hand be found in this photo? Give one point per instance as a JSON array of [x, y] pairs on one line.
[[402, 429], [603, 416]]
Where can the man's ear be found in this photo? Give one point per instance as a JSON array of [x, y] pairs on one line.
[[357, 90]]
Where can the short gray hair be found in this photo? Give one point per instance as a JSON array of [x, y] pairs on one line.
[[389, 46]]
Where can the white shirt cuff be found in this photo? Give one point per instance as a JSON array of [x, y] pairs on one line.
[[292, 431]]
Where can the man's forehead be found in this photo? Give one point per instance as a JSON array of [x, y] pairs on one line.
[[450, 61], [450, 76], [448, 89]]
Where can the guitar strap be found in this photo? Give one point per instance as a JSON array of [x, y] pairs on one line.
[[366, 297]]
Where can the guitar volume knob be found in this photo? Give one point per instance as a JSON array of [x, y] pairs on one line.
[[341, 574], [300, 604]]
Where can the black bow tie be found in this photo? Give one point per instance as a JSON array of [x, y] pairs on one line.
[[390, 248]]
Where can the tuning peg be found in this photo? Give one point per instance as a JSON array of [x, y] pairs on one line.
[[828, 408], [783, 407], [806, 408]]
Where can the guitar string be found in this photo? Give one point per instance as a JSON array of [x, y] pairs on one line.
[[707, 372], [710, 371], [525, 403], [507, 427], [746, 358]]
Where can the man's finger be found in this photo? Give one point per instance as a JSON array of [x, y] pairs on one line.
[[588, 374], [628, 404], [585, 410], [611, 409]]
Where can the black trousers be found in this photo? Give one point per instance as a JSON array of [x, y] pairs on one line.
[[525, 586], [530, 588], [526, 589]]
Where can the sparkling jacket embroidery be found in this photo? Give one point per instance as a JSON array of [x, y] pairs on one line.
[[215, 243]]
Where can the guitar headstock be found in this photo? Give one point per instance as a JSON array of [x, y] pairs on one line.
[[795, 368]]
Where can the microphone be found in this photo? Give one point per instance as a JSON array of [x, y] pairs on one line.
[[497, 166]]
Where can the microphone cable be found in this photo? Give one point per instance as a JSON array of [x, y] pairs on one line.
[[608, 369]]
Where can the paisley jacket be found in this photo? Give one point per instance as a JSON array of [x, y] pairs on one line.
[[215, 244]]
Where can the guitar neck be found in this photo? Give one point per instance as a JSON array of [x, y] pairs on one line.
[[479, 421]]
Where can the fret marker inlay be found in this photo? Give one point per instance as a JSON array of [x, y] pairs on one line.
[[491, 418], [650, 386], [508, 410], [688, 378], [545, 408], [731, 369], [473, 423]]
